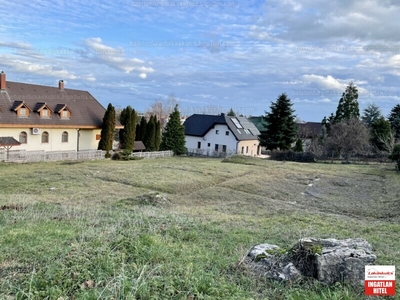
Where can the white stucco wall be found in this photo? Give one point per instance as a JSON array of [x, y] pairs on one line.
[[213, 138], [250, 147], [34, 141], [88, 140]]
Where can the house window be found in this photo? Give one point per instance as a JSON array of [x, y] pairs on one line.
[[242, 150], [217, 131], [64, 137], [45, 137], [23, 137], [216, 147], [198, 145], [223, 148], [98, 137], [247, 149], [22, 112], [226, 132], [64, 114], [209, 145], [45, 112]]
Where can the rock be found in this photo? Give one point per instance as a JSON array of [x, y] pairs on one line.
[[257, 251], [340, 260], [273, 266], [327, 260]]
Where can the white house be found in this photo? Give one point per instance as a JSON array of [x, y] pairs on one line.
[[215, 134]]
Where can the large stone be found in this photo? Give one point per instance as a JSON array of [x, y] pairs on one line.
[[340, 260], [327, 260]]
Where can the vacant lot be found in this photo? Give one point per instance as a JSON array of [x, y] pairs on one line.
[[176, 228]]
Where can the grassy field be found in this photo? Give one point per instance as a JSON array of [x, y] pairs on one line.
[[177, 228]]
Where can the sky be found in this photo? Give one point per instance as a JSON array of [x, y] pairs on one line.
[[210, 55]]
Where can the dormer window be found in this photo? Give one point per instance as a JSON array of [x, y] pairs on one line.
[[63, 111], [22, 112], [21, 109], [65, 114], [43, 109]]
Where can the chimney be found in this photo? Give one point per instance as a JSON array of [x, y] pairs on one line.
[[3, 81], [61, 84]]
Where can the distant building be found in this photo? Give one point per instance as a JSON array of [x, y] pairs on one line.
[[221, 134]]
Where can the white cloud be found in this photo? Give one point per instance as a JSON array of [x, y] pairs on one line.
[[143, 75], [327, 82], [40, 69], [113, 57]]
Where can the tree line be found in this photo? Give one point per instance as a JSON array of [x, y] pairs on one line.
[[343, 134], [147, 130]]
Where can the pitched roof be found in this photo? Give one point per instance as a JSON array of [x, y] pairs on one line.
[[259, 122], [309, 129], [199, 125], [8, 141], [138, 145], [86, 111], [241, 128]]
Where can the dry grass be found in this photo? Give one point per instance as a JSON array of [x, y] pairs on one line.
[[88, 222]]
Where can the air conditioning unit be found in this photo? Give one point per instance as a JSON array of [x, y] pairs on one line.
[[35, 130]]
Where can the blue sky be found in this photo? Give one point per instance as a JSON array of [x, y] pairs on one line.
[[212, 55]]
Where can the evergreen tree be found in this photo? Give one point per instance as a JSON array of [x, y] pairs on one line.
[[231, 113], [327, 123], [299, 146], [127, 135], [394, 119], [138, 132], [143, 128], [157, 134], [173, 137], [281, 130], [395, 155], [371, 113], [107, 130], [348, 105], [150, 138], [381, 134]]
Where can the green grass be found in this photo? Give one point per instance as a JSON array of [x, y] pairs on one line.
[[82, 230]]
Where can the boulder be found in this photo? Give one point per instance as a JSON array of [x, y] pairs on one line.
[[327, 260]]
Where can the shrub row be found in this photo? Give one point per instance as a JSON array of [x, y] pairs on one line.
[[290, 155]]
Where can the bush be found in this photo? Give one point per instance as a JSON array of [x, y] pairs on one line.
[[395, 155], [290, 155], [125, 155]]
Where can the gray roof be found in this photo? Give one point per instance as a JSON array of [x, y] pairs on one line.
[[86, 111], [309, 130], [199, 125], [138, 145], [8, 141]]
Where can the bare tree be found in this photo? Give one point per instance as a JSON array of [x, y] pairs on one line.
[[162, 108], [348, 137]]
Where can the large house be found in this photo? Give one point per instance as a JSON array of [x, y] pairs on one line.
[[307, 132], [213, 134], [49, 118]]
